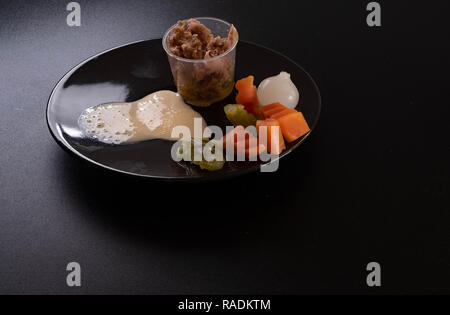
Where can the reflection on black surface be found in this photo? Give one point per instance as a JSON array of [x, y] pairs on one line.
[[137, 66], [209, 215]]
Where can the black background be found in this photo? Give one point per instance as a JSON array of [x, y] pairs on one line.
[[370, 184]]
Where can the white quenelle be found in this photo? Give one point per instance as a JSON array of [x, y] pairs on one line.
[[279, 88]]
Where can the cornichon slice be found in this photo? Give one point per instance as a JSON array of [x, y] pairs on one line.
[[214, 165], [238, 116]]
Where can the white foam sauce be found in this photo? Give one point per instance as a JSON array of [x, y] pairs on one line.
[[152, 117]]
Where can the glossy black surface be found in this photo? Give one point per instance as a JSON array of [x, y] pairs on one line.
[[131, 72], [371, 183]]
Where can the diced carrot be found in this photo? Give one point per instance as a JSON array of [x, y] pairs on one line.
[[274, 111], [245, 82], [282, 113], [273, 137], [244, 142], [269, 107], [293, 126], [249, 148], [247, 95], [255, 151], [269, 110], [233, 136]]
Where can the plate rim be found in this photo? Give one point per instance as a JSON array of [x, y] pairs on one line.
[[211, 176]]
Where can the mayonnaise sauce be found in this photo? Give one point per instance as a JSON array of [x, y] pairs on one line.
[[152, 117]]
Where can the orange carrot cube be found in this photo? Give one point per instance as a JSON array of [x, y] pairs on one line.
[[293, 126], [272, 136]]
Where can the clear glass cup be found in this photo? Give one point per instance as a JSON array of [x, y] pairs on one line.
[[206, 81]]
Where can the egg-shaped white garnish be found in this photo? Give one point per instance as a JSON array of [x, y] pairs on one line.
[[279, 88]]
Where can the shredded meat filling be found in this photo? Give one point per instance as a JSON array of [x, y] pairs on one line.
[[202, 83], [191, 39]]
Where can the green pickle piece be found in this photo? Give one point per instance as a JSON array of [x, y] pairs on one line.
[[186, 146], [238, 116]]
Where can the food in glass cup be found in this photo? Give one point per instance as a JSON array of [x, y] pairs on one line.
[[202, 64]]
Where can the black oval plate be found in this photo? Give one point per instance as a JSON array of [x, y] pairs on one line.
[[129, 73]]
